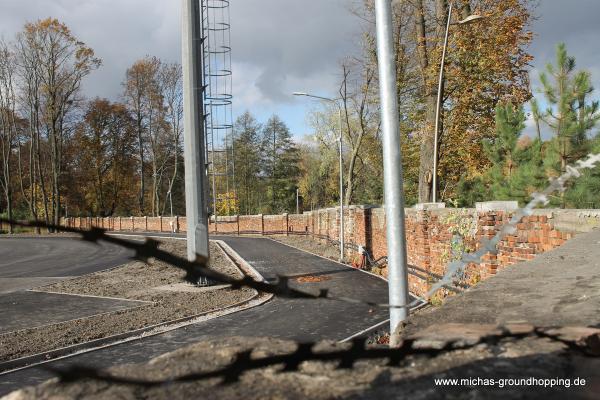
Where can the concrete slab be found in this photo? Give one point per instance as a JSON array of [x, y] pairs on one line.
[[188, 288], [28, 309], [9, 285]]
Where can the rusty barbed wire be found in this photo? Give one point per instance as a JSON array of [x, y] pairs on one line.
[[291, 362], [456, 269], [198, 269]]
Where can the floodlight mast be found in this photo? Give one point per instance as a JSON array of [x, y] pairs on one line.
[[196, 194]]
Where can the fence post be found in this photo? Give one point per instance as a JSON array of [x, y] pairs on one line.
[[262, 224], [146, 223], [287, 224], [177, 224], [160, 222]]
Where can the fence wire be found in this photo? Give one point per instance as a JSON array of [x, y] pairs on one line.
[[346, 358]]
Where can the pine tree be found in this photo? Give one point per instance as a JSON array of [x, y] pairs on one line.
[[280, 157], [570, 116], [247, 162], [517, 168], [516, 164]]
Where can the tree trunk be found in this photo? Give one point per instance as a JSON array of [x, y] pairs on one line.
[[430, 95]]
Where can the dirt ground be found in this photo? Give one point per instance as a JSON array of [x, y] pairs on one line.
[[133, 281], [414, 378]]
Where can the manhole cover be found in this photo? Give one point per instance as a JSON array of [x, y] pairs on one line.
[[312, 278]]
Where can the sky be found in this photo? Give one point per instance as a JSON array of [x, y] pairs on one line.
[[278, 46]]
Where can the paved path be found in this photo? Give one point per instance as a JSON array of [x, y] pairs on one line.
[[27, 262], [557, 288], [297, 319]]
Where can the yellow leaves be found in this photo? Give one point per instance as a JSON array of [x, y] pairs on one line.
[[227, 204]]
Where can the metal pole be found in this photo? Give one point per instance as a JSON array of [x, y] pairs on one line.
[[341, 189], [297, 201], [195, 167], [392, 175], [438, 107]]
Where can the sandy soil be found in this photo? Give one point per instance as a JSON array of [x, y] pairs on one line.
[[132, 281]]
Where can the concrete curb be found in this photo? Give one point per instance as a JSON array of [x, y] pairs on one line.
[[257, 299]]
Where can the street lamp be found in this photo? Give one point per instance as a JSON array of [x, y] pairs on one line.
[[335, 101], [438, 106]]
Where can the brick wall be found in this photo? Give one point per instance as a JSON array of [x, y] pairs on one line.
[[428, 232]]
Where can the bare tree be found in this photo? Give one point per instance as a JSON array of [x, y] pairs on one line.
[[8, 125], [54, 64], [171, 79]]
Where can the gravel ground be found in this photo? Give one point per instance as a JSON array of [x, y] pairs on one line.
[[133, 281], [414, 378]]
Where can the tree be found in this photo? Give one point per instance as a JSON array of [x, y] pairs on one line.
[[171, 83], [8, 125], [54, 63], [569, 115], [516, 166], [106, 142], [280, 164], [141, 92], [247, 162]]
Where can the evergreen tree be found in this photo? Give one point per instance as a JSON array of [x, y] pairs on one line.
[[570, 115], [517, 168], [280, 157], [247, 162], [585, 192], [516, 164]]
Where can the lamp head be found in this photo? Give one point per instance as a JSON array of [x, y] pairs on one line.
[[470, 18]]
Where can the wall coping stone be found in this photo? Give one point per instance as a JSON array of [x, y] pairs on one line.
[[497, 206], [429, 206]]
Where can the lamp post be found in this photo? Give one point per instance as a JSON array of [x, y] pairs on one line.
[[334, 101], [392, 171], [438, 105]]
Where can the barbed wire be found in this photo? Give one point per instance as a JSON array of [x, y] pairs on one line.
[[244, 361], [199, 269], [456, 269], [346, 358]]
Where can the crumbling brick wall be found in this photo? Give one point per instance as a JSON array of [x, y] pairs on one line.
[[429, 233]]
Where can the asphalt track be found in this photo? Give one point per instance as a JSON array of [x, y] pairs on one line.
[[23, 258], [296, 319]]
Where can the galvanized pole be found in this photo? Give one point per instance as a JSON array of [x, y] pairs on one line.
[[438, 106], [392, 175], [195, 167]]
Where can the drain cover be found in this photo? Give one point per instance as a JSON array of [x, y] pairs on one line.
[[312, 278]]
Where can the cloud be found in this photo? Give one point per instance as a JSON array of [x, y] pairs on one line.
[[278, 46], [276, 43]]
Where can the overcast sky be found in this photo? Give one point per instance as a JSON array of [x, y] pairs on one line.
[[279, 46]]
